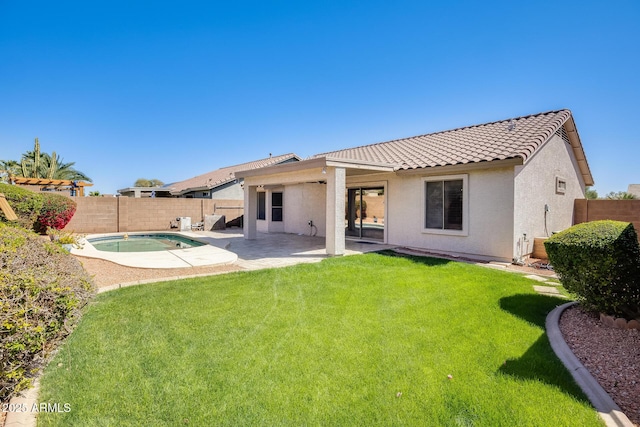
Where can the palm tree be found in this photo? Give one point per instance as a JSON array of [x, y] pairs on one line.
[[53, 167], [8, 169], [35, 164]]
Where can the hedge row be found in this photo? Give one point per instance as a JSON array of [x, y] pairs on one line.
[[26, 204], [42, 292], [38, 211], [599, 261]]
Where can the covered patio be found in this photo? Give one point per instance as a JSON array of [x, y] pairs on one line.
[[315, 196], [268, 250]]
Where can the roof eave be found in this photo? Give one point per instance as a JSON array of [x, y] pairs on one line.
[[317, 162], [462, 167], [578, 151], [203, 187]]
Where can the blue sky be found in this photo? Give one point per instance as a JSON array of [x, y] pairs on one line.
[[170, 90]]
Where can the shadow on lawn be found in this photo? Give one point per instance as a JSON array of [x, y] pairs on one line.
[[424, 260], [530, 307], [539, 362]]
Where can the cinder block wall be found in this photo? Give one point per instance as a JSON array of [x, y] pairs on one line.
[[231, 209], [95, 215], [619, 210], [120, 214]]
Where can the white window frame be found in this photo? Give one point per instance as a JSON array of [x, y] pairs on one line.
[[465, 204]]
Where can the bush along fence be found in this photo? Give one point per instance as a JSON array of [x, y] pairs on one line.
[[42, 292], [37, 211], [599, 261]]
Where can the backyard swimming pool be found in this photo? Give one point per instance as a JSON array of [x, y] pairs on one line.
[[143, 243]]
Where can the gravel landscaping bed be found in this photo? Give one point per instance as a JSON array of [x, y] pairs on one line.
[[106, 273], [611, 355]]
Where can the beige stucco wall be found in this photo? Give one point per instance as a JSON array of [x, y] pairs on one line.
[[490, 219], [489, 232], [535, 187], [304, 202]]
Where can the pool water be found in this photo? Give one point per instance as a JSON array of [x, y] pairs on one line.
[[143, 243]]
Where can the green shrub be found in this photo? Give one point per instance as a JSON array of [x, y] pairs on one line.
[[26, 204], [599, 261], [42, 292], [57, 210]]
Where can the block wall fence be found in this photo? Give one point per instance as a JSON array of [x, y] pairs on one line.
[[620, 210], [125, 214]]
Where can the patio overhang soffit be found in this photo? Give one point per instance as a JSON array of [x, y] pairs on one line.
[[315, 168]]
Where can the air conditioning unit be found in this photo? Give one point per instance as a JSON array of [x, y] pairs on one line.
[[185, 223]]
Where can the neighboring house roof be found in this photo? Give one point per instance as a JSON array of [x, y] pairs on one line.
[[163, 189], [506, 139], [225, 175]]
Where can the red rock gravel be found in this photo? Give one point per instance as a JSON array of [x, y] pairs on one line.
[[106, 273], [611, 355]]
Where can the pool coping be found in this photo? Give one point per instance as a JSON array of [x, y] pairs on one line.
[[206, 255]]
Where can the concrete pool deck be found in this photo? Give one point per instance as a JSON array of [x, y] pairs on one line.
[[207, 255], [229, 247]]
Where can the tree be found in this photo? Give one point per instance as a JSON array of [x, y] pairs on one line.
[[8, 169], [590, 193], [53, 167], [620, 195], [35, 164], [143, 182]]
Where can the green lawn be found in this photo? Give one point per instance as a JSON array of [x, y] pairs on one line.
[[358, 340]]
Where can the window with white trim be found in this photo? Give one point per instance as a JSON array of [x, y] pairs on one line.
[[276, 206], [445, 204]]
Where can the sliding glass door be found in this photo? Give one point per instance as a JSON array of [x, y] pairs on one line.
[[365, 209]]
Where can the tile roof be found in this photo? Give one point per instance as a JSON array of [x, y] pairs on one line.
[[224, 175], [506, 139]]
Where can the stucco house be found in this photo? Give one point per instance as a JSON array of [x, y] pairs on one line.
[[482, 191], [220, 184]]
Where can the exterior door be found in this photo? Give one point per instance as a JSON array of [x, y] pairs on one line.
[[365, 210]]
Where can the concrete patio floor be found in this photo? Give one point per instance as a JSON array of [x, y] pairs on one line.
[[230, 247], [278, 249]]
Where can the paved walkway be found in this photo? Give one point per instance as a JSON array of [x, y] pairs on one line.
[[230, 247], [279, 249]]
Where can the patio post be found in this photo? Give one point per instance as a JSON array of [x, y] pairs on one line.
[[250, 212], [336, 184]]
